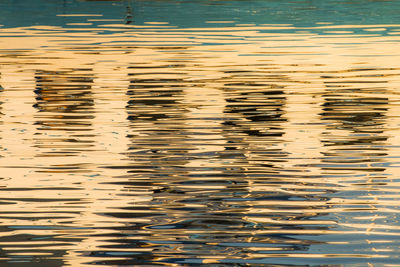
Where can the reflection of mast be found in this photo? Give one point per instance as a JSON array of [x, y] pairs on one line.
[[129, 13]]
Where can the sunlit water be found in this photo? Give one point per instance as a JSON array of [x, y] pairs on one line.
[[199, 132]]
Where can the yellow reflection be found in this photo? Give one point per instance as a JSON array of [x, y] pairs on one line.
[[118, 130]]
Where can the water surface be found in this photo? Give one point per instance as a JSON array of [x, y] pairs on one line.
[[217, 133]]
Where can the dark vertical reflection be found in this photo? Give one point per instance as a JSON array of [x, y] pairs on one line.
[[257, 117], [252, 128], [355, 135], [155, 166], [158, 138], [255, 132], [355, 141], [65, 109]]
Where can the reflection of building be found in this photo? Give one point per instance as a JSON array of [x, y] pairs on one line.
[[188, 147], [257, 111], [355, 137], [356, 108], [277, 136], [65, 103], [156, 119]]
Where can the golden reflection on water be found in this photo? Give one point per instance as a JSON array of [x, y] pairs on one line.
[[154, 144]]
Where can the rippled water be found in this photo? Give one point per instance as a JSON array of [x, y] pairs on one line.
[[199, 132]]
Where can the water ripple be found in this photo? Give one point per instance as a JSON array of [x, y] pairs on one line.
[[131, 137]]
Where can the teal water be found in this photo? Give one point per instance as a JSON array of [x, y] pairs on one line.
[[195, 13], [216, 133]]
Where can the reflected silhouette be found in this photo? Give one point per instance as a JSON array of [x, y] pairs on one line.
[[355, 136], [256, 130], [65, 109]]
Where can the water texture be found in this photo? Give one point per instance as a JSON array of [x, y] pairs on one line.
[[218, 133]]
